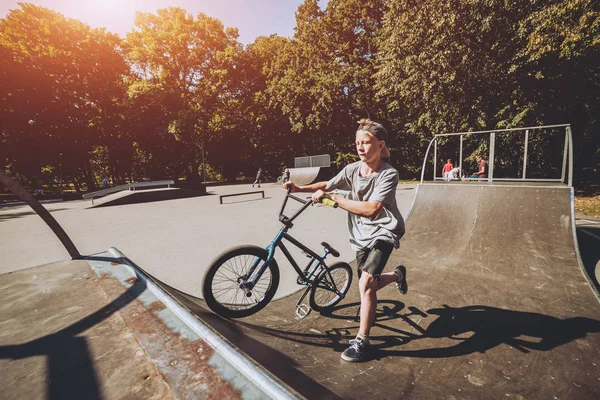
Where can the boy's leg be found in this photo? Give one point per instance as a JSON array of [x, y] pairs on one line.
[[371, 262], [368, 302]]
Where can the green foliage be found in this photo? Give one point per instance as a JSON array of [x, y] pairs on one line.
[[459, 66], [80, 103]]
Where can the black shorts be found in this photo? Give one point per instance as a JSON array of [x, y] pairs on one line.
[[373, 260]]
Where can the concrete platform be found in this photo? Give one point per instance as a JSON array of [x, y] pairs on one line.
[[92, 330], [144, 196]]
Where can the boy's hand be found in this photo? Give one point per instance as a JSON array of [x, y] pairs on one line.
[[319, 195], [289, 185]]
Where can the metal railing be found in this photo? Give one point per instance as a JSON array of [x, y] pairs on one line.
[[323, 160], [129, 186], [567, 154]]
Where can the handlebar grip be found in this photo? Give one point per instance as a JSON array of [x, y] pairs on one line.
[[330, 203]]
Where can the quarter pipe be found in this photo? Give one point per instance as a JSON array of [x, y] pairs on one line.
[[308, 175]]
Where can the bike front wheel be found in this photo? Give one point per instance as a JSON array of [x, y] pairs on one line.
[[324, 293], [221, 288]]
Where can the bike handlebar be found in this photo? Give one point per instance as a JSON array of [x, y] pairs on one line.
[[287, 221], [330, 203]]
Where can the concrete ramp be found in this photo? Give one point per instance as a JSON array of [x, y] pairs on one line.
[[498, 306], [144, 196], [308, 175]]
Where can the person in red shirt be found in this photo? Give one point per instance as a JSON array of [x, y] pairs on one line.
[[447, 168], [482, 172]]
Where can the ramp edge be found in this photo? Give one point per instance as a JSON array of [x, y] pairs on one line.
[[246, 366], [577, 253]]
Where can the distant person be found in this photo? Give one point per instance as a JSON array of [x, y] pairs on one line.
[[258, 179], [482, 171], [375, 224], [453, 174], [39, 192], [286, 175], [105, 182], [447, 168]]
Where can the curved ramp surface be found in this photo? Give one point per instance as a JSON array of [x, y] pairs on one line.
[[498, 307], [308, 175]]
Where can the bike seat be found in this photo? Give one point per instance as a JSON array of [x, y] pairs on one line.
[[332, 251]]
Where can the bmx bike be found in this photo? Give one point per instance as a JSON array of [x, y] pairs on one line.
[[244, 279]]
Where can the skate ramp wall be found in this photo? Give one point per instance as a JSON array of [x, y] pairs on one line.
[[508, 245], [308, 175]]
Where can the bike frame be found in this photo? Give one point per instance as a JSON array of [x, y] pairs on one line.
[[308, 272]]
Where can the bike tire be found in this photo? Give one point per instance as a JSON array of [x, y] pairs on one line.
[[322, 298], [220, 286]]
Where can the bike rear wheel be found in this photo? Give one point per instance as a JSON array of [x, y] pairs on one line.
[[323, 294], [221, 287]]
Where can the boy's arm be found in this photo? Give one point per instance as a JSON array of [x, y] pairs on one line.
[[306, 188], [368, 209]]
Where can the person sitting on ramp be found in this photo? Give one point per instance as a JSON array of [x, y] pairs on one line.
[[374, 222], [453, 174]]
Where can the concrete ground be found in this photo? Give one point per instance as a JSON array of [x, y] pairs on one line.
[[91, 329], [175, 240]]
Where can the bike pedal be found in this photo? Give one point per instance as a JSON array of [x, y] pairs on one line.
[[302, 311]]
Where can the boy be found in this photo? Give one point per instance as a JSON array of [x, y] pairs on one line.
[[375, 224]]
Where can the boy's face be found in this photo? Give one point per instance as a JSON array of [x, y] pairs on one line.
[[368, 146]]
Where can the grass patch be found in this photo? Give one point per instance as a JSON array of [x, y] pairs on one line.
[[587, 200]]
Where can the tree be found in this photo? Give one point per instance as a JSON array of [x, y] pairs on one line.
[[458, 66], [182, 64], [60, 84]]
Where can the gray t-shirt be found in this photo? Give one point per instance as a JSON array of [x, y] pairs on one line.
[[378, 186]]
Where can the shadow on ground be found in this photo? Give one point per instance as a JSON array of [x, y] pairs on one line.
[[71, 373]]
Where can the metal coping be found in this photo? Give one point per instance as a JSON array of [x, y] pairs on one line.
[[504, 130], [486, 184], [263, 379]]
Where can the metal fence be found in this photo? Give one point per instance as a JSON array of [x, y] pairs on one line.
[[552, 135], [323, 160]]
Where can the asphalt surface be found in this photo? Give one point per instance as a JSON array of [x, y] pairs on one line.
[[175, 240]]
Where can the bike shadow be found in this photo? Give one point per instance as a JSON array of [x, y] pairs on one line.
[[479, 328], [398, 331]]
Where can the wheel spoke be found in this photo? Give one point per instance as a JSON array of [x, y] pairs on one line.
[[225, 285]]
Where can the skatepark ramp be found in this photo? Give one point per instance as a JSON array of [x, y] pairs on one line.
[[498, 304], [124, 197], [308, 175], [311, 169]]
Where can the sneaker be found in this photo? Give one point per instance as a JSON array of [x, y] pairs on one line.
[[401, 284], [357, 351]]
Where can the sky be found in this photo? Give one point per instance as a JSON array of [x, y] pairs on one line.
[[253, 18]]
